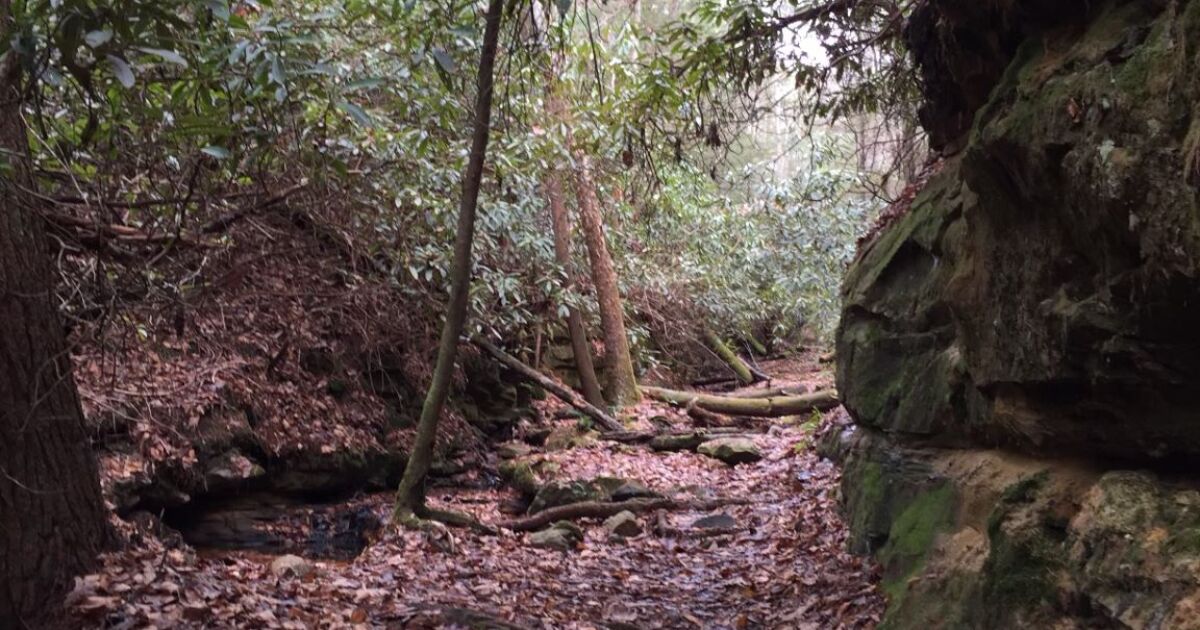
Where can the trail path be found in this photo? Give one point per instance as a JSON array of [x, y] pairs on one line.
[[782, 565]]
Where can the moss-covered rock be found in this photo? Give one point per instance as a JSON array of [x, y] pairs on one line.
[[1042, 291], [1040, 295], [556, 493]]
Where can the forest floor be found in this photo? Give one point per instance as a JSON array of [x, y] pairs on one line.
[[779, 561]]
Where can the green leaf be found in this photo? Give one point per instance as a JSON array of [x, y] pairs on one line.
[[563, 6], [219, 8], [170, 56], [121, 70], [363, 84], [96, 39], [221, 153], [357, 113]]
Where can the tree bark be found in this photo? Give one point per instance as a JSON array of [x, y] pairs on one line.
[[757, 407], [744, 375], [580, 347], [410, 496], [622, 388], [52, 520], [562, 392]]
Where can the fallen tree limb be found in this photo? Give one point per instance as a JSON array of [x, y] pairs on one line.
[[641, 437], [756, 407], [744, 373], [605, 509], [562, 392], [224, 222], [772, 392]]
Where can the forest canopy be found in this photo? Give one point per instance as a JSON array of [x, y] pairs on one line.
[[160, 116]]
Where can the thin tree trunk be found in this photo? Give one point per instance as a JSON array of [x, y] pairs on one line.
[[410, 497], [622, 388], [52, 520], [580, 347]]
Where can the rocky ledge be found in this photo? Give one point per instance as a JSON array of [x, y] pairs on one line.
[[1019, 350]]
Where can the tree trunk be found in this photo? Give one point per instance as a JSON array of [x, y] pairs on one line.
[[410, 497], [580, 347], [622, 386], [756, 407], [52, 520]]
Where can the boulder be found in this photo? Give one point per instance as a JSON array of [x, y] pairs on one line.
[[562, 536], [556, 493], [1041, 291], [623, 525], [983, 539], [1039, 295], [292, 566], [731, 450]]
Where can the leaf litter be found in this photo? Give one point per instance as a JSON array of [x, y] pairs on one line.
[[783, 565]]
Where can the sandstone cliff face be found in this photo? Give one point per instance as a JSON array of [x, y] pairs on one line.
[[1041, 299]]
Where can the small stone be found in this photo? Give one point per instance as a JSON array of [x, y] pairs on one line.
[[623, 525], [292, 566], [678, 442], [232, 467], [562, 536], [731, 450], [716, 521]]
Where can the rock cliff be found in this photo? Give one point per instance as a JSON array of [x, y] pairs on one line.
[[1021, 351]]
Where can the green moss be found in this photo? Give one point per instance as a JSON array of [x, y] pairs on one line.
[[1186, 541], [1019, 574], [864, 487], [912, 536], [520, 476]]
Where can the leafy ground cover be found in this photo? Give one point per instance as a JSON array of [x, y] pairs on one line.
[[777, 561]]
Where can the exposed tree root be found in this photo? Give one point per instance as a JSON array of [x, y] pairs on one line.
[[423, 518], [604, 509]]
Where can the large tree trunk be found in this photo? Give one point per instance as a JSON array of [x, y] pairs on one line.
[[622, 386], [52, 520], [580, 347], [410, 497]]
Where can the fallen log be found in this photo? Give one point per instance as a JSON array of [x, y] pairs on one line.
[[745, 374], [642, 437], [772, 392], [605, 509], [756, 407], [562, 392]]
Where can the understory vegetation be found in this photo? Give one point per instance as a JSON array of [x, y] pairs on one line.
[[157, 131]]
